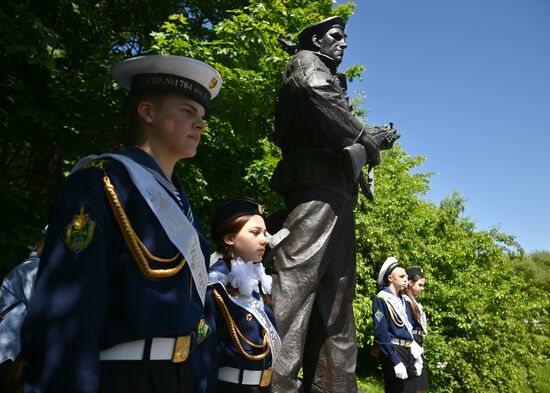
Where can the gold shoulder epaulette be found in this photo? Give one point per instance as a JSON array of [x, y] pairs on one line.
[[100, 163]]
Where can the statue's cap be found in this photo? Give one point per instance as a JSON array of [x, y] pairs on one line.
[[167, 73], [387, 267], [304, 37], [232, 208], [414, 271]]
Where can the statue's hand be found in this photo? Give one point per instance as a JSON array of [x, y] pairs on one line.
[[385, 137], [371, 148]]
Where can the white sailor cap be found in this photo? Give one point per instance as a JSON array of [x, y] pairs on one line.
[[386, 269], [167, 73]]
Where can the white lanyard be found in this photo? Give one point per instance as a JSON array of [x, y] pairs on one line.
[[398, 304]]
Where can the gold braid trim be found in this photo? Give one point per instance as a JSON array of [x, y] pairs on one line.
[[394, 317], [235, 333], [154, 258], [246, 340], [134, 244]]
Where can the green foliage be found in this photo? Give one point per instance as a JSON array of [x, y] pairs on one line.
[[535, 267], [541, 258], [370, 385], [60, 104]]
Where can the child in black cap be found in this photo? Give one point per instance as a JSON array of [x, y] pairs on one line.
[[417, 316], [244, 343]]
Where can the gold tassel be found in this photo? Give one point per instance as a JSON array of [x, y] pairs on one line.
[[235, 333], [394, 317]]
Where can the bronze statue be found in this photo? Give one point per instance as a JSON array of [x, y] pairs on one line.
[[324, 147]]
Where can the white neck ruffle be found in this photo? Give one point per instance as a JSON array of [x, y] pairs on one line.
[[246, 277]]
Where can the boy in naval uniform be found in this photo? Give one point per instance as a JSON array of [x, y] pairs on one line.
[[122, 281], [400, 355]]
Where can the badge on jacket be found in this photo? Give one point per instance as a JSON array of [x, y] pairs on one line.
[[81, 231], [203, 331]]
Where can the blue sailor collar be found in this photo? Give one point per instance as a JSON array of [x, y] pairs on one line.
[[397, 302], [180, 230], [144, 159], [220, 266], [148, 162], [387, 289]]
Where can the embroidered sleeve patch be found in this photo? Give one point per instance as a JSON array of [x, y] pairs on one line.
[[99, 163], [80, 232], [379, 315], [203, 331]]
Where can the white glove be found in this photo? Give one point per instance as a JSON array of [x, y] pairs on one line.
[[416, 350], [400, 371], [418, 364]]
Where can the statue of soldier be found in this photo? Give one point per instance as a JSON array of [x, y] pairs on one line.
[[324, 147]]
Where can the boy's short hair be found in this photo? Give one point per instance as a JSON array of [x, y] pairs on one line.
[[136, 134]]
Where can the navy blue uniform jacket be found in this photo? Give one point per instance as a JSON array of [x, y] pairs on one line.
[[385, 329], [91, 296], [219, 350]]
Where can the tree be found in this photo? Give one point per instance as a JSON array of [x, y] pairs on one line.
[[535, 267]]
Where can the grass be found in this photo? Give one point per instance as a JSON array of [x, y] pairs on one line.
[[540, 382], [370, 385]]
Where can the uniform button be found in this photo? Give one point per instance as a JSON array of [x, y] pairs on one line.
[[249, 317]]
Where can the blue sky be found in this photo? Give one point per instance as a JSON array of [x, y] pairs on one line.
[[467, 83]]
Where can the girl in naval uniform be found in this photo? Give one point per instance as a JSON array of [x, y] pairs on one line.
[[240, 351], [400, 355], [417, 317]]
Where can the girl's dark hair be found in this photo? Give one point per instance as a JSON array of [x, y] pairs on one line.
[[231, 228], [414, 306], [416, 277]]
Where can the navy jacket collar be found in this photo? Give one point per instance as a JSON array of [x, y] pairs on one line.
[[142, 158]]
